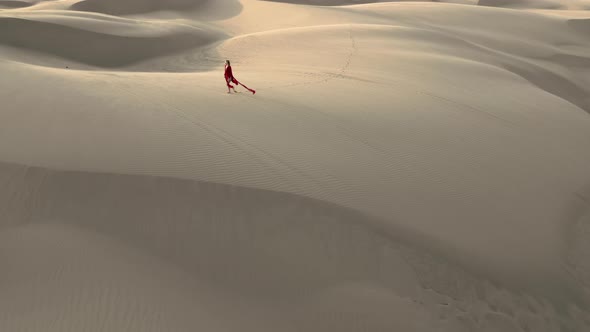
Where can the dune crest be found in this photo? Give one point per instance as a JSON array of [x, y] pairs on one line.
[[114, 43], [14, 4], [115, 7], [538, 4], [357, 2]]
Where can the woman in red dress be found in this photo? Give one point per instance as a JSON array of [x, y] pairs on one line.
[[229, 79]]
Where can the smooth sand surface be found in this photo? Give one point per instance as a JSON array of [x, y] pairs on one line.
[[403, 166]]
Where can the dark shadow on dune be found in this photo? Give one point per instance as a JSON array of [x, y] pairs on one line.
[[581, 25], [214, 10], [248, 240], [494, 3], [575, 233], [116, 7], [534, 71], [14, 4], [516, 4], [93, 48], [339, 2], [222, 8], [328, 2], [551, 82], [245, 239]]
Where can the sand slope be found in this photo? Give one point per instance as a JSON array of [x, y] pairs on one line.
[[114, 42], [403, 166], [145, 6], [538, 4], [14, 4], [101, 248]]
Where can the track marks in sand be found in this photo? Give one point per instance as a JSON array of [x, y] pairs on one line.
[[341, 72], [555, 79], [318, 77], [269, 160]]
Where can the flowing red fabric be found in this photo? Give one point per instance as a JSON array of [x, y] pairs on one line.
[[229, 78]]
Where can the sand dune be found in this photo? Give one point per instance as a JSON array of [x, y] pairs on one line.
[[301, 262], [581, 25], [525, 53], [115, 43], [411, 166], [21, 3], [543, 4], [136, 6], [14, 4], [538, 4], [355, 2], [115, 7], [329, 2]]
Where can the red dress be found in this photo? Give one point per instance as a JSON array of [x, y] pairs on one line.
[[229, 76]]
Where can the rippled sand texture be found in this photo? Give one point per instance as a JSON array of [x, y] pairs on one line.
[[404, 166]]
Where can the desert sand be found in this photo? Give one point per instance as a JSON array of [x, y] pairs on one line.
[[404, 166]]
